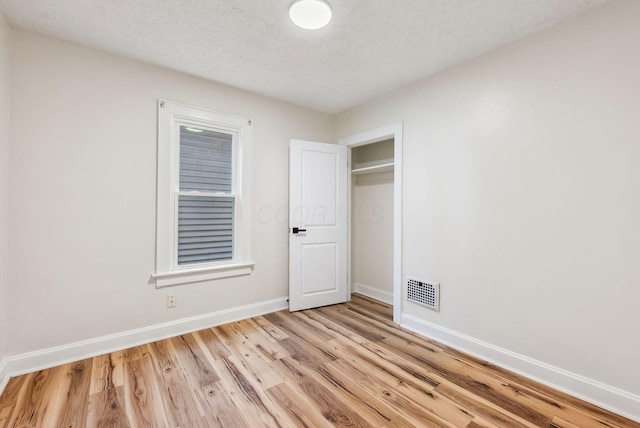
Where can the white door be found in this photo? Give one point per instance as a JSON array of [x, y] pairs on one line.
[[317, 224]]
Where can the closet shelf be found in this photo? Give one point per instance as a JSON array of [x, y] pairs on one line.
[[384, 167]]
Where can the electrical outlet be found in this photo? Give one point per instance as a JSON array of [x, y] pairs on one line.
[[171, 301]]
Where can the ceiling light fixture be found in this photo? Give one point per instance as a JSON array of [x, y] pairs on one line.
[[310, 14]]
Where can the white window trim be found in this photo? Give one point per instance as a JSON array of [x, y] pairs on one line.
[[170, 116]]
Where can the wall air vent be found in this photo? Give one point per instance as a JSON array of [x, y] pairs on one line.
[[426, 293]]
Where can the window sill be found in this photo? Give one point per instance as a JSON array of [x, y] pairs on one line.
[[202, 274]]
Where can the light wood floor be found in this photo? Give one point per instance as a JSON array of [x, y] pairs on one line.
[[343, 365]]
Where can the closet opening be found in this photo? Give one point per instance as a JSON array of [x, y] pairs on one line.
[[372, 220], [375, 206]]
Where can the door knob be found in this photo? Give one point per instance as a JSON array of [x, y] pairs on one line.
[[296, 230]]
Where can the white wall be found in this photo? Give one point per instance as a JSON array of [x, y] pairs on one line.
[[5, 53], [521, 178], [82, 203]]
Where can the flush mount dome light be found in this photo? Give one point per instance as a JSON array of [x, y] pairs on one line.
[[310, 14]]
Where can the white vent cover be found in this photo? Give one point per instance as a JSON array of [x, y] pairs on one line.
[[423, 292]]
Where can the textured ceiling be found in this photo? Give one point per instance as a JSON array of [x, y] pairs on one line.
[[371, 47]]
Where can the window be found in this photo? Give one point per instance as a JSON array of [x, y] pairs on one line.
[[203, 201]]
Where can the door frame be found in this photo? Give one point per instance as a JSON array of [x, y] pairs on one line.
[[374, 136]]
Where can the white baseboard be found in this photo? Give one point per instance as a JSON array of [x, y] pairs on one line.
[[374, 293], [613, 399], [55, 356], [4, 374]]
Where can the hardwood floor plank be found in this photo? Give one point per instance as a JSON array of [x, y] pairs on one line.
[[106, 409], [223, 411], [5, 413], [480, 423], [102, 374], [55, 394], [262, 340], [74, 411], [118, 359], [143, 401], [269, 329], [518, 400], [183, 409], [304, 335], [244, 395], [193, 361], [335, 410], [385, 371], [546, 405], [375, 410], [213, 343], [570, 401], [407, 399], [372, 351], [302, 411], [43, 394], [399, 410], [338, 312], [330, 325], [256, 365], [306, 356], [374, 307], [480, 406], [343, 365], [20, 398], [9, 398], [390, 329], [560, 423], [474, 381]]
